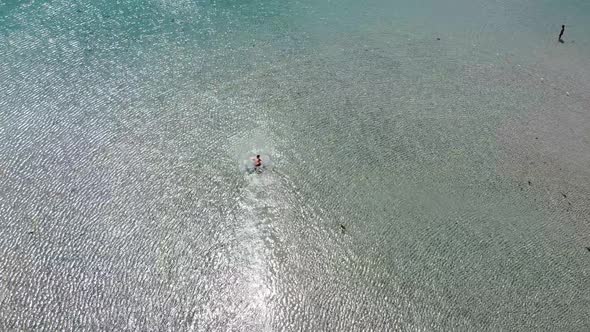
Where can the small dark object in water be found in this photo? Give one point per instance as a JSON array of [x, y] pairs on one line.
[[530, 183], [564, 195], [561, 34], [437, 38], [343, 227], [588, 248], [31, 232], [536, 138]]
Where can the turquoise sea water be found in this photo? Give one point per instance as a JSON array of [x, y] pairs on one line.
[[451, 140]]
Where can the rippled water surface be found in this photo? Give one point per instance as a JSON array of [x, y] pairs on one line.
[[430, 165]]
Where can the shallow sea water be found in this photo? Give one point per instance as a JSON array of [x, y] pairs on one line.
[[458, 167]]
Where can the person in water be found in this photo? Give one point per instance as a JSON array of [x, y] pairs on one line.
[[257, 161], [561, 33]]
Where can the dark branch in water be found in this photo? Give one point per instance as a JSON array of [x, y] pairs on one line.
[[561, 34]]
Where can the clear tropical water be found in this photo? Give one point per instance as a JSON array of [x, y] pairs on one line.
[[450, 140]]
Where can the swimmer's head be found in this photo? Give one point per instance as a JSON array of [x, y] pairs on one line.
[[258, 156]]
